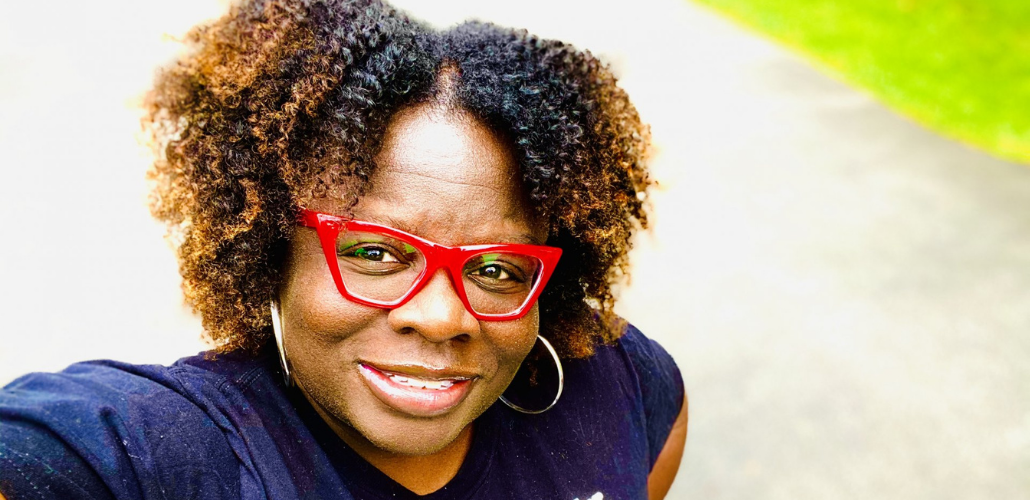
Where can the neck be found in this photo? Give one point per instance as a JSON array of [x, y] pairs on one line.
[[421, 474]]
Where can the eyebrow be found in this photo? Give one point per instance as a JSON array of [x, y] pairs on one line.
[[386, 220], [527, 239]]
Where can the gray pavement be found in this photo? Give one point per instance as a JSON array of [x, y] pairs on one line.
[[845, 292]]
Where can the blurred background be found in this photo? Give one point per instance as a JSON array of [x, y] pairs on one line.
[[841, 241]]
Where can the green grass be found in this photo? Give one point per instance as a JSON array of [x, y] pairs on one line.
[[960, 67]]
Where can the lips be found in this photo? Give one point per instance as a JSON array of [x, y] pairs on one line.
[[416, 391]]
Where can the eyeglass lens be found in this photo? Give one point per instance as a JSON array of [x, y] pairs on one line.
[[381, 268]]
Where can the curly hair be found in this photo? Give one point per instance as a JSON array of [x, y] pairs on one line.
[[280, 101]]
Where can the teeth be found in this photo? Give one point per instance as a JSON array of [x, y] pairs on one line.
[[420, 383]]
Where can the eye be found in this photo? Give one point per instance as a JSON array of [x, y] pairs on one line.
[[497, 272], [371, 253], [495, 275], [493, 271]]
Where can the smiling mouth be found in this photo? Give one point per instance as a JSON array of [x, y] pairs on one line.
[[421, 383], [415, 395]]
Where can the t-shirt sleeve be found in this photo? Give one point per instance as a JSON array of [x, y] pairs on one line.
[[36, 463], [661, 386], [95, 431]]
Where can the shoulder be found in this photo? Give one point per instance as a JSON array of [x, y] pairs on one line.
[[604, 434], [654, 367], [642, 359], [107, 429], [655, 381]]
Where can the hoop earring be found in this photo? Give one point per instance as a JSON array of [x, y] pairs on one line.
[[277, 329], [561, 383]]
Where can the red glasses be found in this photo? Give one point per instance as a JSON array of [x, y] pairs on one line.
[[383, 267]]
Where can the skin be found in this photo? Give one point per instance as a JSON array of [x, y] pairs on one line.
[[448, 178], [668, 463]]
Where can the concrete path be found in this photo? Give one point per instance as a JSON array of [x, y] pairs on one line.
[[847, 294]]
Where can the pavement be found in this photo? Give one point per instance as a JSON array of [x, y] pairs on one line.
[[845, 292]]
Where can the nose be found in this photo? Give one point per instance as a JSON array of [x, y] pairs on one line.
[[435, 312]]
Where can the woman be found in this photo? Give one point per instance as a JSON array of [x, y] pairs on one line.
[[402, 242]]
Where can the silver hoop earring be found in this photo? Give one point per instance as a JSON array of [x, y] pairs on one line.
[[530, 378], [277, 330]]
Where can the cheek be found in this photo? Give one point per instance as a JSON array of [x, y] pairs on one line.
[[513, 341], [314, 312], [322, 331], [316, 308]]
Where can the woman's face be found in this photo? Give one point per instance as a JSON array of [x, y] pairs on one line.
[[446, 177]]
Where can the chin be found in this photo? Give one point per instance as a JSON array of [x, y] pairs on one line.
[[416, 438], [368, 422]]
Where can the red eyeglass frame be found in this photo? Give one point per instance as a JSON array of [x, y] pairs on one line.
[[453, 259]]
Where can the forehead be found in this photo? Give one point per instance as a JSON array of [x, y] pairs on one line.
[[446, 176], [448, 145]]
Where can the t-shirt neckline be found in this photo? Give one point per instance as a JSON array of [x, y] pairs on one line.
[[367, 482]]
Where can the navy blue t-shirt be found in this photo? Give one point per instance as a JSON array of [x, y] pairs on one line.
[[228, 428]]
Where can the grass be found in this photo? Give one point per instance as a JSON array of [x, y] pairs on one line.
[[960, 67]]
